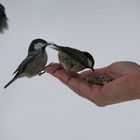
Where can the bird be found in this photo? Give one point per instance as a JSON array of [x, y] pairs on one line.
[[35, 61], [3, 18], [73, 60]]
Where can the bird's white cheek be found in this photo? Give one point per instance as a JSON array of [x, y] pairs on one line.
[[89, 63], [38, 46]]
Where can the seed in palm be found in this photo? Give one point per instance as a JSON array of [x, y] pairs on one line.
[[99, 80]]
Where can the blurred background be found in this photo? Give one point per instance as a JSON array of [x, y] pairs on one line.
[[42, 108]]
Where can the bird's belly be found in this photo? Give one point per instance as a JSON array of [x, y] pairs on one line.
[[35, 66]]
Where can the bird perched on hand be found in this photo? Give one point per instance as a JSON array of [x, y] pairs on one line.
[[73, 60], [34, 63], [3, 18]]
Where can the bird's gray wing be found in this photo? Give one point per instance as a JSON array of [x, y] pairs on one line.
[[76, 55], [23, 64], [72, 52], [20, 68]]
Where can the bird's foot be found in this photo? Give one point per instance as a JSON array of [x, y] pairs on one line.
[[42, 71]]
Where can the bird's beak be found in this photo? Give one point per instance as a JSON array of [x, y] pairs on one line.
[[49, 43]]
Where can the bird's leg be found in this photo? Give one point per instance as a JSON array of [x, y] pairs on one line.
[[42, 71], [48, 65]]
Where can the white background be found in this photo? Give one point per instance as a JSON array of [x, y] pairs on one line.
[[42, 108]]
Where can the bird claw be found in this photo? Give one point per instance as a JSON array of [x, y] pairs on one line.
[[49, 65], [42, 72]]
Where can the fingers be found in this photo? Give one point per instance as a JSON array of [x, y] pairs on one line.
[[77, 84], [53, 68], [82, 85], [57, 71], [83, 89], [77, 91]]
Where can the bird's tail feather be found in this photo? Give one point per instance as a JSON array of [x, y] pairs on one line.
[[10, 82]]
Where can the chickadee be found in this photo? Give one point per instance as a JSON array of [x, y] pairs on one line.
[[73, 60], [3, 18], [34, 63]]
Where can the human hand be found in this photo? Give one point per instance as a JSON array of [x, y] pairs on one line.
[[124, 87]]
